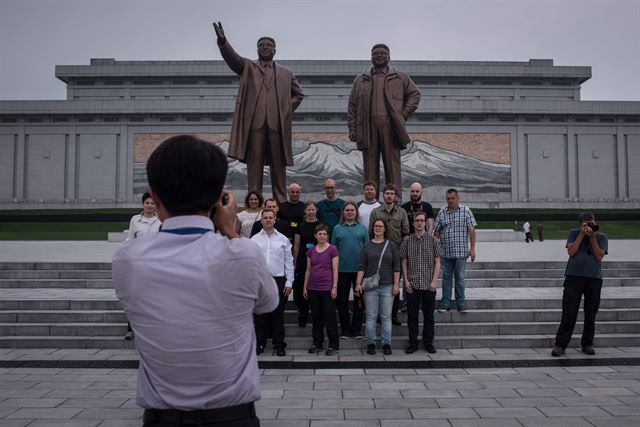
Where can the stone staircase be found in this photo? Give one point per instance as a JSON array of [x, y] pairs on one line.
[[511, 305]]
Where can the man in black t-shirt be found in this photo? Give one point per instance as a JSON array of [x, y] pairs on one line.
[[292, 210], [416, 205]]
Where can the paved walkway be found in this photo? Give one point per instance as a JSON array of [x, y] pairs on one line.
[[102, 251], [552, 396]]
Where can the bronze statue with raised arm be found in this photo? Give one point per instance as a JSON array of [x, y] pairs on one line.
[[261, 129], [381, 100]]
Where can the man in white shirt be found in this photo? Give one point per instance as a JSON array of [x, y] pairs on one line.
[[276, 249], [191, 293], [369, 203], [145, 223]]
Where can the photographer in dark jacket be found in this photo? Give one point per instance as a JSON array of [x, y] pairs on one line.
[[586, 247]]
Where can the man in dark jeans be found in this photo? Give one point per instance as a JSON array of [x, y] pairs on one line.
[[583, 276], [420, 255]]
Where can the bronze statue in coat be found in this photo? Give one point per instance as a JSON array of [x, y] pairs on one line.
[[381, 100], [261, 128]]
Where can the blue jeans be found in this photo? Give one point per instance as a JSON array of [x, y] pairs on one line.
[[378, 301], [451, 267]]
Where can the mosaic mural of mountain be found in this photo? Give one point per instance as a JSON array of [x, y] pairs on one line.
[[421, 162], [439, 168]]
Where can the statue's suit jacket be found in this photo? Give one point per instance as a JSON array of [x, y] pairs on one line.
[[401, 99], [288, 93]]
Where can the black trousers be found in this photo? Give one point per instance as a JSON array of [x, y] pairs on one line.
[[347, 281], [574, 288], [272, 324], [233, 416], [415, 301], [323, 313], [298, 298]]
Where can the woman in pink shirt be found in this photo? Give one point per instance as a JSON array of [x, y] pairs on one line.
[[321, 289]]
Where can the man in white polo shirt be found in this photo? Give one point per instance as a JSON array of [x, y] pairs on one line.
[[191, 293]]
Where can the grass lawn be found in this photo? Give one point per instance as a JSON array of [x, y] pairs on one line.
[[559, 229]]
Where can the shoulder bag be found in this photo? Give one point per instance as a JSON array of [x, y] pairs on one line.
[[371, 282]]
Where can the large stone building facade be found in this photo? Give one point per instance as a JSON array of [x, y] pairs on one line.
[[506, 134]]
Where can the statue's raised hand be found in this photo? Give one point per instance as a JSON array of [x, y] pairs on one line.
[[219, 30]]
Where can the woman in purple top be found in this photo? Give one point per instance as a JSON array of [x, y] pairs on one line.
[[321, 289]]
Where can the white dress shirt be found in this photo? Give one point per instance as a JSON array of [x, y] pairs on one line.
[[277, 253], [191, 299], [141, 225]]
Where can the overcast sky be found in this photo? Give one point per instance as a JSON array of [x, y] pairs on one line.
[[35, 35]]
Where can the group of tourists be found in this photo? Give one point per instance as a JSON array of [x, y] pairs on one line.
[[330, 250]]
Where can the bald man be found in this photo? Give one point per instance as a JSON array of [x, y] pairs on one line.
[[292, 210], [415, 204], [330, 207]]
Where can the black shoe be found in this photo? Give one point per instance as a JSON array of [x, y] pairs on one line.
[[259, 350], [462, 309], [331, 351], [558, 351], [443, 309], [396, 322], [412, 348], [128, 336], [315, 349], [588, 349], [280, 351], [430, 348], [386, 349], [371, 349], [302, 323]]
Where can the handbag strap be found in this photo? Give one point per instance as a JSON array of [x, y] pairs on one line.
[[381, 255]]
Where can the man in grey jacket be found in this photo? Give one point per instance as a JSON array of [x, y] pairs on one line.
[[381, 100]]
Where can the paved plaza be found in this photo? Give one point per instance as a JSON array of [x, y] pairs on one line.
[[88, 387], [552, 396], [102, 251]]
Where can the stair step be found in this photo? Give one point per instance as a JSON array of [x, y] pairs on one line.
[[303, 343]]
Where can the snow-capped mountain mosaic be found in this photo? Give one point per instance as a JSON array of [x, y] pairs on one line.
[[435, 167]]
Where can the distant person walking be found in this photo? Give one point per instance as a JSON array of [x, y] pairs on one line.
[[540, 232], [526, 229]]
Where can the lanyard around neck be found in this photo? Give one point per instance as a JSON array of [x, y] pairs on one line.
[[186, 231]]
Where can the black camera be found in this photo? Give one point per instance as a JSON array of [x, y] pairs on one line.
[[593, 227]]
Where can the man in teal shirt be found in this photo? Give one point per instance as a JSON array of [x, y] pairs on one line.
[[330, 207]]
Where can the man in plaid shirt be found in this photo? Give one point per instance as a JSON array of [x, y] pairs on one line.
[[420, 255], [455, 226]]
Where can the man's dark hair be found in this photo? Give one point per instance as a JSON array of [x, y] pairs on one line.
[[419, 213], [264, 211], [370, 183], [382, 45], [586, 216], [145, 196], [266, 38], [390, 187], [187, 174], [251, 193], [270, 199], [452, 191]]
